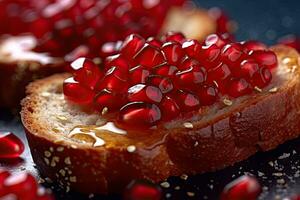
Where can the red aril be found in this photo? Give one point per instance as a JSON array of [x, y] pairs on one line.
[[142, 190], [163, 83], [191, 77], [86, 72], [252, 45], [116, 61], [131, 45], [145, 93], [238, 87], [215, 39], [169, 108], [208, 94], [139, 115], [209, 56], [262, 78], [154, 42], [23, 185], [265, 58], [149, 56], [77, 93], [138, 74], [173, 37], [165, 70], [231, 54], [109, 100], [187, 101], [10, 146], [187, 63], [173, 52], [243, 188], [3, 176], [248, 68], [192, 48], [219, 73]]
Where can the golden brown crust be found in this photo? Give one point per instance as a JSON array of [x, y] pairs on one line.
[[261, 124]]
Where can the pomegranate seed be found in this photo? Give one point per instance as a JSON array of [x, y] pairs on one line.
[[191, 48], [191, 77], [86, 72], [154, 42], [166, 70], [131, 45], [142, 190], [232, 53], [109, 100], [138, 74], [116, 61], [248, 68], [172, 52], [262, 77], [76, 93], [173, 37], [209, 56], [215, 39], [187, 101], [187, 63], [265, 58], [253, 45], [291, 41], [149, 56], [238, 87], [243, 188], [219, 73], [145, 93], [139, 115], [163, 83], [169, 108], [208, 95], [10, 146], [22, 185], [115, 80]]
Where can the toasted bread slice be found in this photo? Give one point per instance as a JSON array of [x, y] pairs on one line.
[[105, 159], [19, 65]]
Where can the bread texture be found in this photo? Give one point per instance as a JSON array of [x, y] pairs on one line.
[[214, 138]]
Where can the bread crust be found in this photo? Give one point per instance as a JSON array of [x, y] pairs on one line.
[[259, 124]]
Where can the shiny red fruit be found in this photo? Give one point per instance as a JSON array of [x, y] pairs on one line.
[[144, 93], [187, 101], [262, 77], [138, 74], [248, 68], [149, 56], [23, 185], [253, 45], [208, 94], [3, 176], [116, 61], [187, 63], [131, 45], [108, 100], [215, 39], [139, 115], [163, 83], [154, 42], [232, 54], [10, 146], [86, 72], [115, 79], [165, 70], [243, 188], [142, 190], [238, 87], [173, 52], [169, 108], [192, 77], [77, 93], [174, 37], [209, 56], [192, 48], [265, 58], [219, 73]]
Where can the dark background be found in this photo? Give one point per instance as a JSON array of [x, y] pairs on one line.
[[278, 170]]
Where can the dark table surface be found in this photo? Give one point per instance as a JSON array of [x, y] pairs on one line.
[[277, 170]]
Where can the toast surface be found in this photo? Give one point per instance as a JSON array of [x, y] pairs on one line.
[[104, 160]]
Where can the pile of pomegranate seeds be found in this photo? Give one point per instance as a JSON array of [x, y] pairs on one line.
[[63, 26], [10, 146], [243, 188], [22, 187], [152, 80], [142, 190]]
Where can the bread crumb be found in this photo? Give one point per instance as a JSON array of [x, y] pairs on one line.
[[131, 148], [165, 184], [273, 90], [47, 154], [184, 177], [257, 89], [227, 102], [68, 161], [60, 149], [190, 194], [188, 125]]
